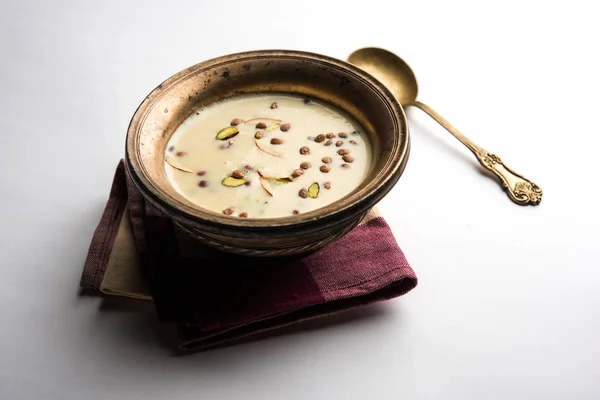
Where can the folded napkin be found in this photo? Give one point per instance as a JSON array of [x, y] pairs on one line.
[[216, 298]]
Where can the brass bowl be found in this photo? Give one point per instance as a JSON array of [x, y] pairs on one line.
[[315, 76]]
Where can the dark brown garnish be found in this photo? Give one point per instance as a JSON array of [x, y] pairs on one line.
[[304, 150], [326, 160], [305, 165], [238, 174], [320, 138], [236, 121], [348, 158], [324, 168], [329, 142], [203, 183], [274, 106], [201, 173], [330, 135], [343, 135], [172, 148], [258, 135], [339, 143], [345, 165], [353, 142], [181, 153], [228, 211], [285, 127], [243, 215], [261, 125], [327, 185], [276, 141], [343, 152], [297, 173], [295, 212], [303, 193]]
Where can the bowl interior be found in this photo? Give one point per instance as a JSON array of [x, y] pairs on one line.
[[319, 77]]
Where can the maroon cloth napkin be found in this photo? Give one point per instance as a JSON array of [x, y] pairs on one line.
[[216, 298]]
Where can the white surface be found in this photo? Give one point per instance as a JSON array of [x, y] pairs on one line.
[[508, 298]]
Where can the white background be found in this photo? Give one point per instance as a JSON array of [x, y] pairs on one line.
[[508, 301]]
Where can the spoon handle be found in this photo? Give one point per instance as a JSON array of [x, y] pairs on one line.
[[520, 190]]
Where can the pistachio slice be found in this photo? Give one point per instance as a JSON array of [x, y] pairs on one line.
[[281, 181], [313, 190], [264, 148], [272, 175], [227, 133], [173, 162], [230, 181], [272, 127], [264, 182], [253, 120]]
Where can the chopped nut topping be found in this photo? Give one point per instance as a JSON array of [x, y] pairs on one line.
[[304, 150], [238, 174]]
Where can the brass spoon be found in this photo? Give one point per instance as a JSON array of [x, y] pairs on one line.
[[397, 76]]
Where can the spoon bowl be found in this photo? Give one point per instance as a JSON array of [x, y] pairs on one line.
[[391, 70]]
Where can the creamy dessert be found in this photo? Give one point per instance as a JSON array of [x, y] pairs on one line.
[[266, 156]]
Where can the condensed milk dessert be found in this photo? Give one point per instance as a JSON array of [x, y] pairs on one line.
[[267, 156]]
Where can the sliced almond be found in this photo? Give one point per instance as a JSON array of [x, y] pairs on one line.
[[253, 120], [273, 175], [264, 182], [175, 163], [267, 150]]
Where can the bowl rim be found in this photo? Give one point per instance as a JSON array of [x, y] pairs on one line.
[[355, 202]]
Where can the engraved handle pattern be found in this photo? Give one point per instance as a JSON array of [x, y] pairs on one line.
[[520, 190]]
